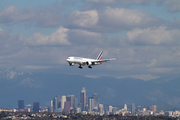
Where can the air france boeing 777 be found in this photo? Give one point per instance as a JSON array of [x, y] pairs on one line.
[[87, 61]]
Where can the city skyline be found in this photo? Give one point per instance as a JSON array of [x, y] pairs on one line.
[[102, 109], [92, 105]]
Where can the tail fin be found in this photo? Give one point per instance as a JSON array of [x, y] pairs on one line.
[[99, 56]]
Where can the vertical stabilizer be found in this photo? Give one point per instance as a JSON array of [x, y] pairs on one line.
[[99, 56]]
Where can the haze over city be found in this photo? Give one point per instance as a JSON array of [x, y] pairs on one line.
[[36, 38]]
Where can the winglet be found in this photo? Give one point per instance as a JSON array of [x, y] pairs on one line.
[[99, 56]]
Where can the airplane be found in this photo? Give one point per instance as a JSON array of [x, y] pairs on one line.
[[87, 61]]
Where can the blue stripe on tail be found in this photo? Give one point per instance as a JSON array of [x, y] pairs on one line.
[[99, 56]]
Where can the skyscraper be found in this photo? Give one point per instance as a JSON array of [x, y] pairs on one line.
[[59, 101], [51, 106], [83, 99], [20, 104], [96, 100], [75, 103], [101, 110], [132, 108], [67, 107], [110, 109], [63, 99], [36, 107], [70, 98], [55, 104], [106, 109], [125, 107], [154, 108], [91, 104]]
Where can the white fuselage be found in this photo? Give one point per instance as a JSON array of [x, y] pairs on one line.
[[81, 61]]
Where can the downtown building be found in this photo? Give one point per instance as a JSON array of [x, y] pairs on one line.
[[20, 104], [36, 107], [83, 99]]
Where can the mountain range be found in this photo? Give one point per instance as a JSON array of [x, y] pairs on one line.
[[43, 87]]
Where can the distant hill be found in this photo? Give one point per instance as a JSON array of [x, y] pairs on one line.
[[42, 87]]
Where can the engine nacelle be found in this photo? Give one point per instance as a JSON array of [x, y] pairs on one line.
[[71, 64], [89, 63]]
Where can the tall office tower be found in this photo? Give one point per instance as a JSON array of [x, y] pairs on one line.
[[63, 99], [75, 103], [58, 101], [67, 107], [20, 104], [51, 106], [114, 110], [91, 104], [132, 108], [154, 108], [36, 107], [101, 110], [55, 104], [125, 107], [83, 99], [106, 109], [96, 98], [110, 109], [70, 98]]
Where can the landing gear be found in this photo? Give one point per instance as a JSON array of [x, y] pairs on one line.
[[80, 67], [89, 67], [70, 64]]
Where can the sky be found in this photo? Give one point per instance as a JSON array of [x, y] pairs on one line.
[[144, 36]]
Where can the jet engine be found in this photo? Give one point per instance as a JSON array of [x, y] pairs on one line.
[[89, 63], [71, 64]]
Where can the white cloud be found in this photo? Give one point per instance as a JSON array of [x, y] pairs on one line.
[[121, 2], [102, 1], [64, 36], [84, 37], [42, 16], [8, 41], [154, 36], [59, 37], [85, 19], [173, 5], [154, 61], [126, 18], [110, 19], [144, 77]]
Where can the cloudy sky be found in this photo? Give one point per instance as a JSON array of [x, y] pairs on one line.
[[144, 36]]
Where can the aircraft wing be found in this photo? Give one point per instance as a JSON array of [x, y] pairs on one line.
[[103, 60]]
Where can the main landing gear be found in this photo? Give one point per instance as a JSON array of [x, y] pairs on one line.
[[89, 67], [80, 67]]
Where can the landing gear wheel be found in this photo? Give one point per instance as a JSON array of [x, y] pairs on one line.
[[89, 67], [80, 67]]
